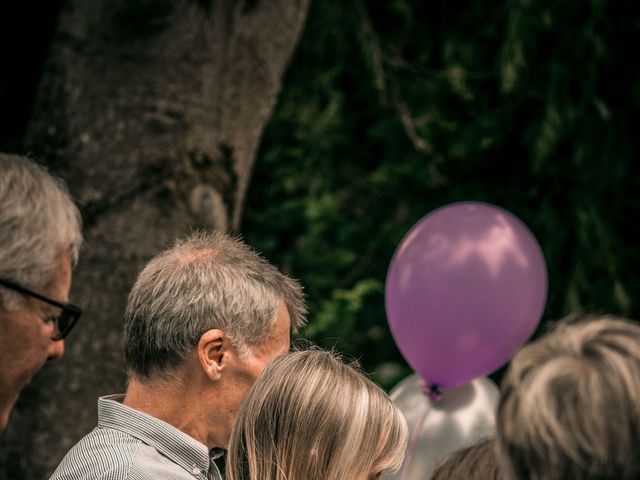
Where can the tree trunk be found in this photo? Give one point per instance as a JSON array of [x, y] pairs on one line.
[[152, 110]]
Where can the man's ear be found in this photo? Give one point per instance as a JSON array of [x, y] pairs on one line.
[[212, 350]]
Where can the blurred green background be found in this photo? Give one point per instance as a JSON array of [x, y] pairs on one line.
[[391, 109]]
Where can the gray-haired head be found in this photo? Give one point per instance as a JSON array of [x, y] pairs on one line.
[[205, 281], [570, 404], [38, 222], [475, 462]]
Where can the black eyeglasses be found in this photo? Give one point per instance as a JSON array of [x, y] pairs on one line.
[[67, 318]]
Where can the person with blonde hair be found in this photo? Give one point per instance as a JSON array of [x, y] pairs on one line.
[[570, 405], [309, 416]]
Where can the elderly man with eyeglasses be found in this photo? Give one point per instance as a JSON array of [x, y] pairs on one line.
[[40, 236]]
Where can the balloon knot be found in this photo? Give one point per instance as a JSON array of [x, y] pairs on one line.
[[433, 392]]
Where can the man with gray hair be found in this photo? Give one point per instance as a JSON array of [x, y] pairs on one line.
[[40, 236], [202, 320]]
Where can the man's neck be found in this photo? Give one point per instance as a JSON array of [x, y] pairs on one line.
[[170, 402]]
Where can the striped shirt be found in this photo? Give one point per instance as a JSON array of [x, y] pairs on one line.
[[130, 445]]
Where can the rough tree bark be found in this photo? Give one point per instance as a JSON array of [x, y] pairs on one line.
[[152, 110]]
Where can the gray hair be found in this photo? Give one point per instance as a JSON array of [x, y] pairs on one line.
[[570, 406], [475, 462], [38, 222], [205, 281]]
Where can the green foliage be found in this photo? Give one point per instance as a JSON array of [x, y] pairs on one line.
[[391, 109]]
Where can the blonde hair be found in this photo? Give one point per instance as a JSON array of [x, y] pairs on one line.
[[309, 416], [570, 406]]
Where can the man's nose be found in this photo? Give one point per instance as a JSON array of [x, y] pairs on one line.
[[56, 350]]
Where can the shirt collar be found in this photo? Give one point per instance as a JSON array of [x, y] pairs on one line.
[[171, 442]]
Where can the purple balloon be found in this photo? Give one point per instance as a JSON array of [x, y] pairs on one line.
[[466, 287]]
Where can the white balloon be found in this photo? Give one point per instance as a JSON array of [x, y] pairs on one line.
[[460, 418]]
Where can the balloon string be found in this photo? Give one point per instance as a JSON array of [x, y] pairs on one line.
[[412, 444]]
